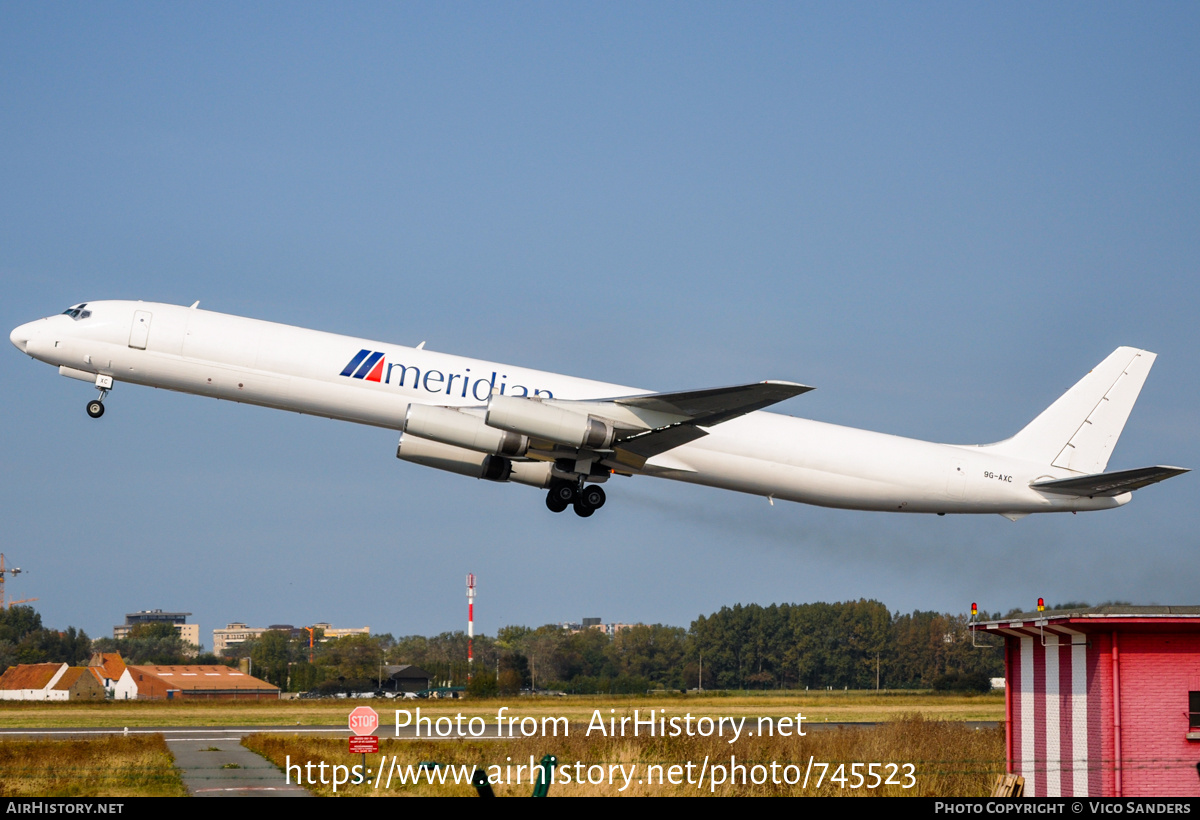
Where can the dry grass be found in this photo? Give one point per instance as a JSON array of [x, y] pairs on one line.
[[106, 767], [949, 760], [817, 707]]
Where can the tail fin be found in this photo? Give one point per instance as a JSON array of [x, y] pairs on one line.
[[1079, 431]]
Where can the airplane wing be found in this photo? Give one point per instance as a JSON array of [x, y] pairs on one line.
[[715, 405], [1109, 484], [697, 408]]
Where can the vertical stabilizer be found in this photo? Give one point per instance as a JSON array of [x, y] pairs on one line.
[[1079, 431]]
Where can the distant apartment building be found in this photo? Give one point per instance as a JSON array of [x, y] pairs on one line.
[[190, 633], [335, 632], [237, 632], [232, 635], [595, 624]]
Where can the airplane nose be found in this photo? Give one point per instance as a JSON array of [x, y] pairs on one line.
[[21, 335]]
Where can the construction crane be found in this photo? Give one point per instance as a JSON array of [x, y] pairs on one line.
[[5, 602]]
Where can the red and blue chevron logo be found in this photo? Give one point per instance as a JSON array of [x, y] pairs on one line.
[[367, 365]]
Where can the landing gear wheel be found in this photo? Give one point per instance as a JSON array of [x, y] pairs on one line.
[[582, 510], [554, 503], [593, 497], [566, 493], [95, 408]]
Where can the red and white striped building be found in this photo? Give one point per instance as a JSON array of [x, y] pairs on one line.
[[1103, 701]]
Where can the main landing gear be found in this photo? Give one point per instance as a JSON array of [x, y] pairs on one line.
[[95, 407], [586, 499]]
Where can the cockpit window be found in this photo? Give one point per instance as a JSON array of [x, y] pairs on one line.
[[78, 312]]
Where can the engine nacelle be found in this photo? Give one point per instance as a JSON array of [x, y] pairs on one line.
[[535, 419], [449, 426], [530, 473], [470, 462]]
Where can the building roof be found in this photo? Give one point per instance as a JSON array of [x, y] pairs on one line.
[[1104, 618], [203, 677], [29, 675], [109, 664], [406, 670], [154, 615], [69, 677]]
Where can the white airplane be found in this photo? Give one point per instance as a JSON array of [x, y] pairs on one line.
[[568, 435]]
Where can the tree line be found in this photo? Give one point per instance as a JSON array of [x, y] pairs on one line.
[[851, 644], [23, 639]]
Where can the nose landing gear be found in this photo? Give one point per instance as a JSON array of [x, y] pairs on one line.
[[585, 500], [95, 407]]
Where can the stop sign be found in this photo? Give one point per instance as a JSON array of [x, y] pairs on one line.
[[363, 720]]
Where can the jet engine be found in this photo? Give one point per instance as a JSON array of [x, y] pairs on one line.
[[449, 426], [471, 463], [535, 419]]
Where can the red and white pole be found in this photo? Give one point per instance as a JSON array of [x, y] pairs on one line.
[[470, 625]]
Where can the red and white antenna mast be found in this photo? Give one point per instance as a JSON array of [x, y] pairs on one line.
[[470, 625]]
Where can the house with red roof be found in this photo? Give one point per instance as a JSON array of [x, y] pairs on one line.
[[192, 683], [107, 668], [49, 681]]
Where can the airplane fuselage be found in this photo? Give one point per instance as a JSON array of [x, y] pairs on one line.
[[374, 383]]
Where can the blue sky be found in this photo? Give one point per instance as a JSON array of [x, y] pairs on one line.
[[941, 215]]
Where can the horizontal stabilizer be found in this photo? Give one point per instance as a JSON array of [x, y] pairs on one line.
[[715, 405], [1109, 484]]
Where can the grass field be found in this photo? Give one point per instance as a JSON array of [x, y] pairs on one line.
[[921, 728], [947, 760], [106, 767], [816, 707]]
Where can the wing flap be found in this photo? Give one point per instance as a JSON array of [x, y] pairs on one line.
[[635, 451], [1109, 484]]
